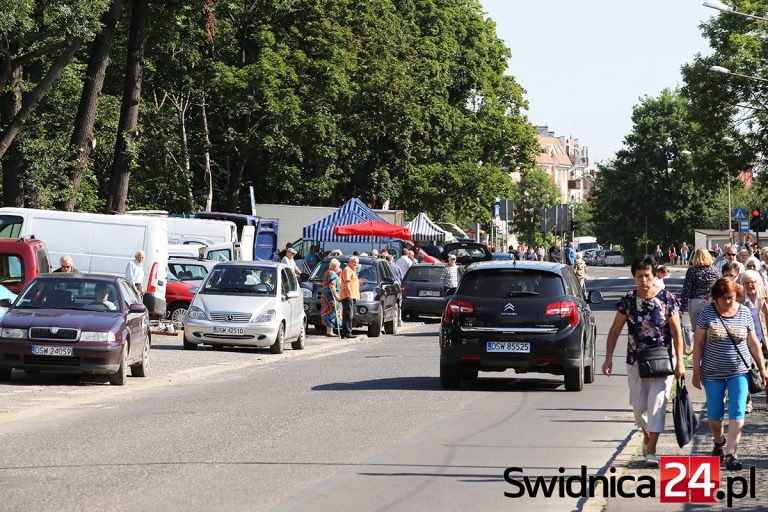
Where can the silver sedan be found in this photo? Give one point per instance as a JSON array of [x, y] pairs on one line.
[[255, 304]]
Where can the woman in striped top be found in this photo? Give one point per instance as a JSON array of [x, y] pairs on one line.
[[724, 329]]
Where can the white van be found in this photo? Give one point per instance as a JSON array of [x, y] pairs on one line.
[[98, 243], [182, 230]]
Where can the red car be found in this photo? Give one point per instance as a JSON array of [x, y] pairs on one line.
[[21, 259], [178, 296]]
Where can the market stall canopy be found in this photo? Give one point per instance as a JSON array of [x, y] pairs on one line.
[[424, 230], [352, 212], [374, 229]]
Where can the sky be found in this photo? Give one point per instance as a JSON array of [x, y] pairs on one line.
[[586, 63]]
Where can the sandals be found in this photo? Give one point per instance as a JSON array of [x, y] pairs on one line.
[[717, 449], [732, 463]]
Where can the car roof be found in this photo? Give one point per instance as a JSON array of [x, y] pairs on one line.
[[527, 265], [368, 260], [261, 263], [78, 275], [435, 264]]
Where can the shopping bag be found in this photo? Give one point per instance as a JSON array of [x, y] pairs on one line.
[[684, 416], [687, 340]]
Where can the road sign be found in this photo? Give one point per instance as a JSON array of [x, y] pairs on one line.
[[743, 226], [739, 214]]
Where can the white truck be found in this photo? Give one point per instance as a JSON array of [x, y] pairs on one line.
[[582, 243]]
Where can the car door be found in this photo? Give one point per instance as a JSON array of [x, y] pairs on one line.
[[390, 287], [297, 303], [287, 303], [135, 322]]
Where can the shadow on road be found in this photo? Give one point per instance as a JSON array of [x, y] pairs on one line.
[[424, 383]]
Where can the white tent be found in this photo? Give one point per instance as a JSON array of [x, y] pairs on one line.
[[424, 230]]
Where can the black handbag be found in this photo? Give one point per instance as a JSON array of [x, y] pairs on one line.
[[683, 414], [754, 380], [653, 362]]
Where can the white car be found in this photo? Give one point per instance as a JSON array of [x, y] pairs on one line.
[[608, 257], [247, 303], [589, 256]]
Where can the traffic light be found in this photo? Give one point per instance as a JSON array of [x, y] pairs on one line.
[[755, 221]]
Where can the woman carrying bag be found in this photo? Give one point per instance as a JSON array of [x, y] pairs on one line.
[[725, 335], [329, 299], [652, 316]]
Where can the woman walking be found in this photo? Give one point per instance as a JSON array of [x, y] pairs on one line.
[[329, 299], [699, 278], [725, 334], [653, 320], [755, 300]]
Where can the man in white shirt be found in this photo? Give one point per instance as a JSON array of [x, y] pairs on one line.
[[290, 252], [729, 256], [404, 262], [134, 272]]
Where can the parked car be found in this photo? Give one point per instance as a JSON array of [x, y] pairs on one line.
[[247, 303], [379, 295], [21, 259], [529, 316], [590, 256], [422, 291], [179, 295], [75, 323], [609, 257]]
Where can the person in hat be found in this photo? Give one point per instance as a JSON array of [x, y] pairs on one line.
[[289, 260], [450, 275]]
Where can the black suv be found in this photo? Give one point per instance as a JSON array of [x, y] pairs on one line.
[[379, 295], [530, 316]]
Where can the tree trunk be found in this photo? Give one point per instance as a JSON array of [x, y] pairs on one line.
[[233, 190], [129, 110], [82, 141], [207, 155], [13, 163], [181, 103], [33, 100]]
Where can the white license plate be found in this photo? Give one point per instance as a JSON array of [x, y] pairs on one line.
[[228, 330], [429, 293], [507, 346], [51, 351]]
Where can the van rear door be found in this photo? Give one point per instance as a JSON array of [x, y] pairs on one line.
[[247, 243]]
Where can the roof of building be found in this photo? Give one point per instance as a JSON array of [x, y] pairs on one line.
[[554, 152]]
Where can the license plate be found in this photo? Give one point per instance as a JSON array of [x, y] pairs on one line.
[[228, 330], [51, 351], [429, 293], [507, 346]]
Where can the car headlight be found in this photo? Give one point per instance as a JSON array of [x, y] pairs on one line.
[[367, 296], [266, 316], [14, 333], [97, 336], [195, 313], [306, 293]]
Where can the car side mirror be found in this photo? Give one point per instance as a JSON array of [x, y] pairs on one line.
[[5, 303], [303, 277], [293, 294], [595, 297], [137, 308]]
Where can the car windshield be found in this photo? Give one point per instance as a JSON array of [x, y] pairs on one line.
[[427, 273], [503, 283], [188, 271], [365, 271], [240, 280], [474, 253], [76, 294]]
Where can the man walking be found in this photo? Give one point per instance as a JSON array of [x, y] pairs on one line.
[[134, 272], [66, 265], [450, 275], [290, 252], [350, 292]]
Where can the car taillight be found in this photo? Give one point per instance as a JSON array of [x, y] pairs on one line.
[[152, 281], [564, 310], [457, 307], [402, 290]]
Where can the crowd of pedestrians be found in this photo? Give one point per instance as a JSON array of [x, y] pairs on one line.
[[726, 298]]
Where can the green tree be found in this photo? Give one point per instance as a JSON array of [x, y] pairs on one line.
[[535, 191]]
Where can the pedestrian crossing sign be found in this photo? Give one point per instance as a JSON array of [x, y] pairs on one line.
[[739, 214]]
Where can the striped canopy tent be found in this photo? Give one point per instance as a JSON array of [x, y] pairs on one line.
[[424, 230], [353, 211]]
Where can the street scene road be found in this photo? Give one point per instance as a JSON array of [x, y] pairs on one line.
[[362, 425]]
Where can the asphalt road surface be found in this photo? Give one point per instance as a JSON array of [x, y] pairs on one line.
[[341, 426]]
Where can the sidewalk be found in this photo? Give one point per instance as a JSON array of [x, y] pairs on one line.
[[752, 451]]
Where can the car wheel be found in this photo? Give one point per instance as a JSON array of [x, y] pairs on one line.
[[320, 327], [391, 326], [450, 378], [411, 317], [299, 343], [277, 346], [177, 314], [5, 374], [589, 371], [374, 329], [574, 377], [119, 378], [469, 373], [141, 368], [189, 345]]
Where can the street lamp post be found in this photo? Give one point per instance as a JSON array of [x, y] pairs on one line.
[[720, 6], [726, 71]]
